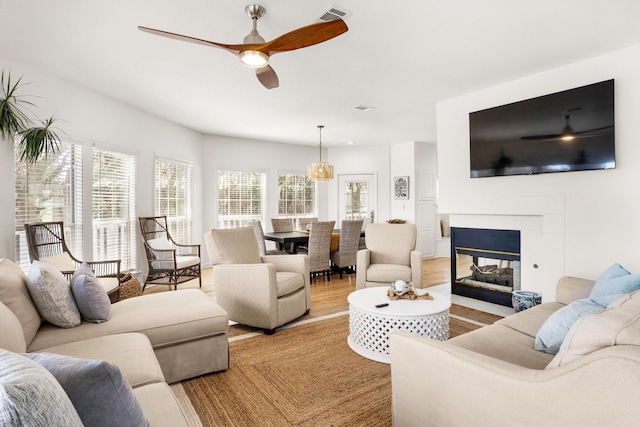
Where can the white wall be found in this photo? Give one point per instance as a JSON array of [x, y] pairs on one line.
[[594, 212], [402, 163], [87, 117]]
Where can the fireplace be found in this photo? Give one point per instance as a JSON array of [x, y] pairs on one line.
[[485, 264]]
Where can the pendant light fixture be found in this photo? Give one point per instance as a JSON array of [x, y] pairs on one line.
[[321, 171]]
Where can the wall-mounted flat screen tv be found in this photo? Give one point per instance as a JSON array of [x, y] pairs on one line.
[[571, 130]]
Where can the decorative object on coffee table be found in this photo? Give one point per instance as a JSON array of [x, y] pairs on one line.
[[522, 300], [403, 290]]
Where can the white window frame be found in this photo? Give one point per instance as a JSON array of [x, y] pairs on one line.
[[177, 206], [114, 233], [231, 220], [57, 184], [296, 213]]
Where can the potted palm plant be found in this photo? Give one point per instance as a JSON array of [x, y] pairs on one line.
[[34, 139]]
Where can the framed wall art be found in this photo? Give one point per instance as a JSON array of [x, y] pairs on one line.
[[401, 187]]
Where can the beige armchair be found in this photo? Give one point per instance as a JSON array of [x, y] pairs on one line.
[[390, 255], [263, 292]]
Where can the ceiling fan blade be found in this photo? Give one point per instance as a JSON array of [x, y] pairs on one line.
[[230, 47], [267, 77], [305, 36]]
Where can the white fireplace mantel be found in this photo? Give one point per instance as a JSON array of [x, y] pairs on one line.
[[540, 220]]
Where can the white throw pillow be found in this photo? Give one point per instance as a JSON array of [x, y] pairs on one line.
[[31, 396], [51, 294], [619, 324]]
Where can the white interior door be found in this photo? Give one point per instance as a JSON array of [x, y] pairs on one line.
[[357, 197]]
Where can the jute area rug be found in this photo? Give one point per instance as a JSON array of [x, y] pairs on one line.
[[304, 375]]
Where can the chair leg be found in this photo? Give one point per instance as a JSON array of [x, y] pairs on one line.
[[328, 275], [269, 331]]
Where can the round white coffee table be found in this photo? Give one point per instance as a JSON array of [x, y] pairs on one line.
[[369, 326]]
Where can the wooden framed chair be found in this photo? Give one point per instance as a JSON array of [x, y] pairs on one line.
[[46, 243], [345, 258], [169, 263], [319, 249]]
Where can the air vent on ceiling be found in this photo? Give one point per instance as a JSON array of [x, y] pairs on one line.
[[364, 108], [333, 13]]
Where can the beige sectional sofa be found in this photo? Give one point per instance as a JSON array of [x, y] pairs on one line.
[[154, 339], [493, 376]]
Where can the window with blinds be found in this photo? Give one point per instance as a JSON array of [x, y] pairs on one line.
[[114, 207], [296, 195], [240, 197], [49, 190], [173, 197]]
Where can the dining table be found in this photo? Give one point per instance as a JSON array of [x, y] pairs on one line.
[[290, 241]]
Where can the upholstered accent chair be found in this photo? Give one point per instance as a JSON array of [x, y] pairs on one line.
[[169, 263], [390, 255], [345, 258], [46, 242], [263, 292], [319, 248], [282, 225], [262, 244]]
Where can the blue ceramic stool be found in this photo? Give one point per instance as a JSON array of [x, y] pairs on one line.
[[521, 300]]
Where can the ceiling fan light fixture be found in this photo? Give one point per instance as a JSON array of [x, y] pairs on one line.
[[254, 58], [320, 171]]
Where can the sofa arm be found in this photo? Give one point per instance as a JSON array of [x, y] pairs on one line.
[[239, 286], [571, 288], [363, 259], [431, 380]]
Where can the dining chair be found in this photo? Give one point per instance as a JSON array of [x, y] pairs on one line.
[[282, 225], [345, 258], [319, 249], [169, 263], [46, 242], [262, 244], [304, 222]]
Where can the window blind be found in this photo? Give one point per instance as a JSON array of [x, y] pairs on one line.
[[296, 195], [173, 197], [240, 197], [114, 207], [49, 190]]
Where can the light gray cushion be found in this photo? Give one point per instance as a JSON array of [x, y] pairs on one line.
[[31, 396], [615, 281], [52, 295], [90, 296], [100, 394], [232, 246], [14, 294], [619, 324], [553, 331]]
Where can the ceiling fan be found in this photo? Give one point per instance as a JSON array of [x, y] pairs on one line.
[[254, 52], [567, 133]]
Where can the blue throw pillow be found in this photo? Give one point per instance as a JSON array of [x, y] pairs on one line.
[[98, 390], [614, 281], [552, 332], [90, 296]]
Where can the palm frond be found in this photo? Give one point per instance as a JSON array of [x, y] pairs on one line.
[[38, 141], [12, 119]]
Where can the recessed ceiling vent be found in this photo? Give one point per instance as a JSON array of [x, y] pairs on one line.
[[364, 108], [333, 13]]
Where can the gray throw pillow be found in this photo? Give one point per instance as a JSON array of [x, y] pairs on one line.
[[52, 295], [91, 297], [101, 395], [30, 395]]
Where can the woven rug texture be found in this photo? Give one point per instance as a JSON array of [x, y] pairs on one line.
[[305, 375]]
